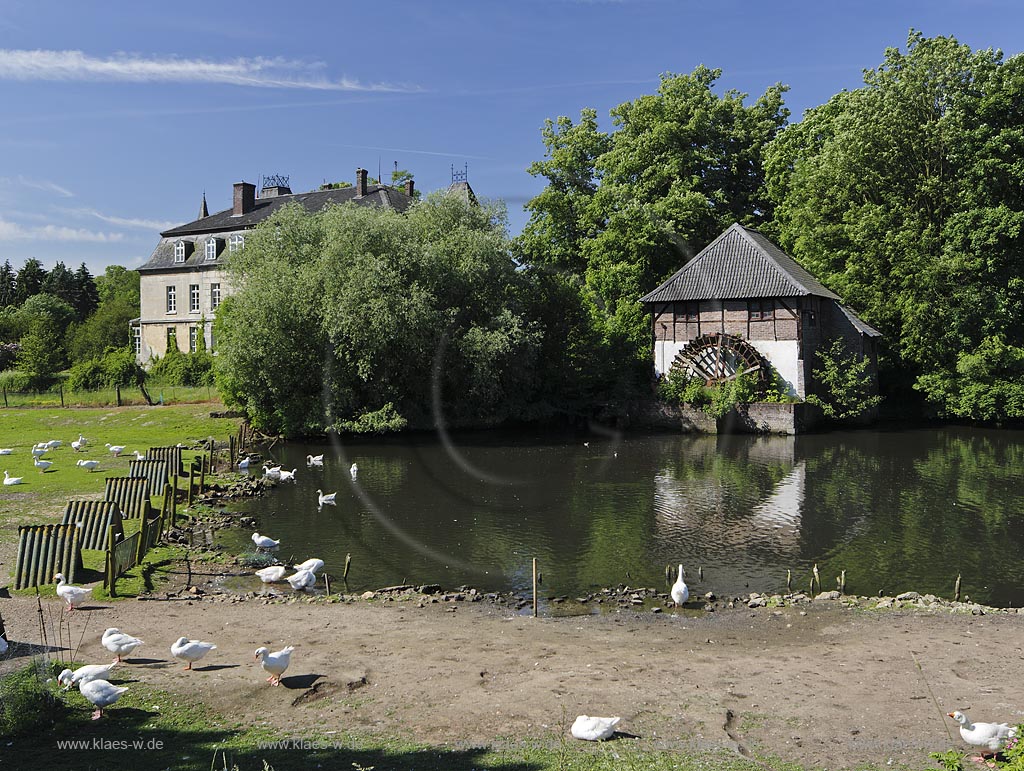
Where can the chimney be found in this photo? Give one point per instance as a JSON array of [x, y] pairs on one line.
[[360, 183], [245, 199], [409, 185]]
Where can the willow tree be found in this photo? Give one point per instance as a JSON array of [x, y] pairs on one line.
[[906, 197], [361, 318]]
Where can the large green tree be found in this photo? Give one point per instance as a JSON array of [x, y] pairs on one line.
[[906, 197], [360, 316], [117, 291]]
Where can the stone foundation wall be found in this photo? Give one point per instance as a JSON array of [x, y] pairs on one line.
[[757, 418]]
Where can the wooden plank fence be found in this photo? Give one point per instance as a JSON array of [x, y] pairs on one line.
[[44, 551], [93, 519], [131, 494], [156, 471], [170, 454]]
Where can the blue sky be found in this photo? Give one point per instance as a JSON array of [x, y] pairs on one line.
[[115, 117]]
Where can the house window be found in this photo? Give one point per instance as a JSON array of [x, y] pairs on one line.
[[236, 242], [192, 338], [179, 251], [172, 300], [687, 311], [193, 298], [758, 310], [172, 339], [211, 249], [214, 295], [137, 339]]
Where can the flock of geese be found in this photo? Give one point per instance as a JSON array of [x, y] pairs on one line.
[[78, 445]]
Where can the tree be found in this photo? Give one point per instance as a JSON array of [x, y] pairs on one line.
[[118, 283], [87, 296], [8, 285], [117, 291], [905, 197], [41, 356], [29, 280], [411, 315], [847, 385]]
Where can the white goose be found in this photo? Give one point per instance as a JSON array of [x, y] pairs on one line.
[[79, 444], [243, 464], [116, 449], [139, 455], [101, 694], [301, 580], [680, 592], [271, 574], [89, 464], [9, 480], [287, 476], [119, 643], [274, 663], [353, 470], [264, 542], [69, 679], [190, 650], [313, 565], [39, 451], [272, 472], [6, 450], [72, 595], [594, 729], [327, 498], [53, 444], [988, 736], [314, 460], [42, 465]]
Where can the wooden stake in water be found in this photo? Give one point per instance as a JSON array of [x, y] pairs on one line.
[[700, 572], [789, 580], [535, 587], [841, 582], [348, 562], [956, 589], [817, 578]]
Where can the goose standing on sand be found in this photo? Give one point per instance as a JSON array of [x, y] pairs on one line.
[[72, 595], [89, 464], [116, 449], [70, 679], [119, 643], [327, 498], [302, 580], [264, 542], [101, 694], [9, 480], [271, 574], [680, 592], [190, 650], [594, 729], [314, 460], [42, 465], [313, 565], [274, 663], [987, 736]]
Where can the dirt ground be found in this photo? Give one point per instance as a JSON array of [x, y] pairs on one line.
[[820, 684]]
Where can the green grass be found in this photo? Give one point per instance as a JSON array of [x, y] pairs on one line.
[[107, 397]]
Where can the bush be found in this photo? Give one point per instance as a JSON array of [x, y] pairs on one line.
[[26, 703], [847, 383], [183, 369], [116, 367], [15, 380], [381, 421]]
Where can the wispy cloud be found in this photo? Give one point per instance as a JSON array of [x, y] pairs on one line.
[[12, 231], [38, 184], [252, 72], [125, 222]]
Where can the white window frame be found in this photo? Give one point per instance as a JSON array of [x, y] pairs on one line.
[[193, 298], [137, 339], [193, 339], [172, 335], [172, 298], [236, 242], [215, 296], [211, 248], [179, 251]]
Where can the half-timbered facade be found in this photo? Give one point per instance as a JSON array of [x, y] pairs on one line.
[[741, 304]]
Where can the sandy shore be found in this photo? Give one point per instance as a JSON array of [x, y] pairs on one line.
[[819, 684]]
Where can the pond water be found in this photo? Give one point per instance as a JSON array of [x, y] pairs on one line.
[[898, 510]]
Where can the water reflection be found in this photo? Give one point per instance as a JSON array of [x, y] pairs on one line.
[[897, 510]]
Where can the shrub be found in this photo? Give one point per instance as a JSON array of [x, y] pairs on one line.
[[86, 375], [26, 703], [846, 382], [116, 367], [183, 369], [381, 421], [15, 380]]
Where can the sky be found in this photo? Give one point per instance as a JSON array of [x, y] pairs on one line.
[[116, 117]]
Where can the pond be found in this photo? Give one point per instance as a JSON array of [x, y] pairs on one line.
[[897, 510]]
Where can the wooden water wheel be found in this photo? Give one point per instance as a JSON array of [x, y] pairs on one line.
[[719, 357]]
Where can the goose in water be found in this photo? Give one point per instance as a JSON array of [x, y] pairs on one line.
[[327, 498], [274, 663], [116, 449], [243, 464], [72, 595], [264, 542], [42, 465], [272, 473], [594, 729], [287, 476], [119, 643], [271, 574], [302, 580], [190, 650], [313, 565], [680, 592], [9, 480], [353, 470], [70, 679], [987, 736], [314, 460], [101, 694], [89, 464]]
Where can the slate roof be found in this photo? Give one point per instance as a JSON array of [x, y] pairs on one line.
[[859, 324], [741, 263], [223, 223]]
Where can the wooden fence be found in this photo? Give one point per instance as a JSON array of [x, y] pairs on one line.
[[131, 494], [44, 551], [94, 519]]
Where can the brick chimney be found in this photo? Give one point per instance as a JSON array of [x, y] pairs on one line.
[[244, 200], [360, 183], [409, 186]]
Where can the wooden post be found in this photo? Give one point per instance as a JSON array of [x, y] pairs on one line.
[[117, 394], [213, 455], [174, 500], [5, 396], [140, 551], [535, 587], [956, 589], [348, 563], [231, 453], [191, 481], [61, 389], [327, 583], [202, 474], [111, 578]]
